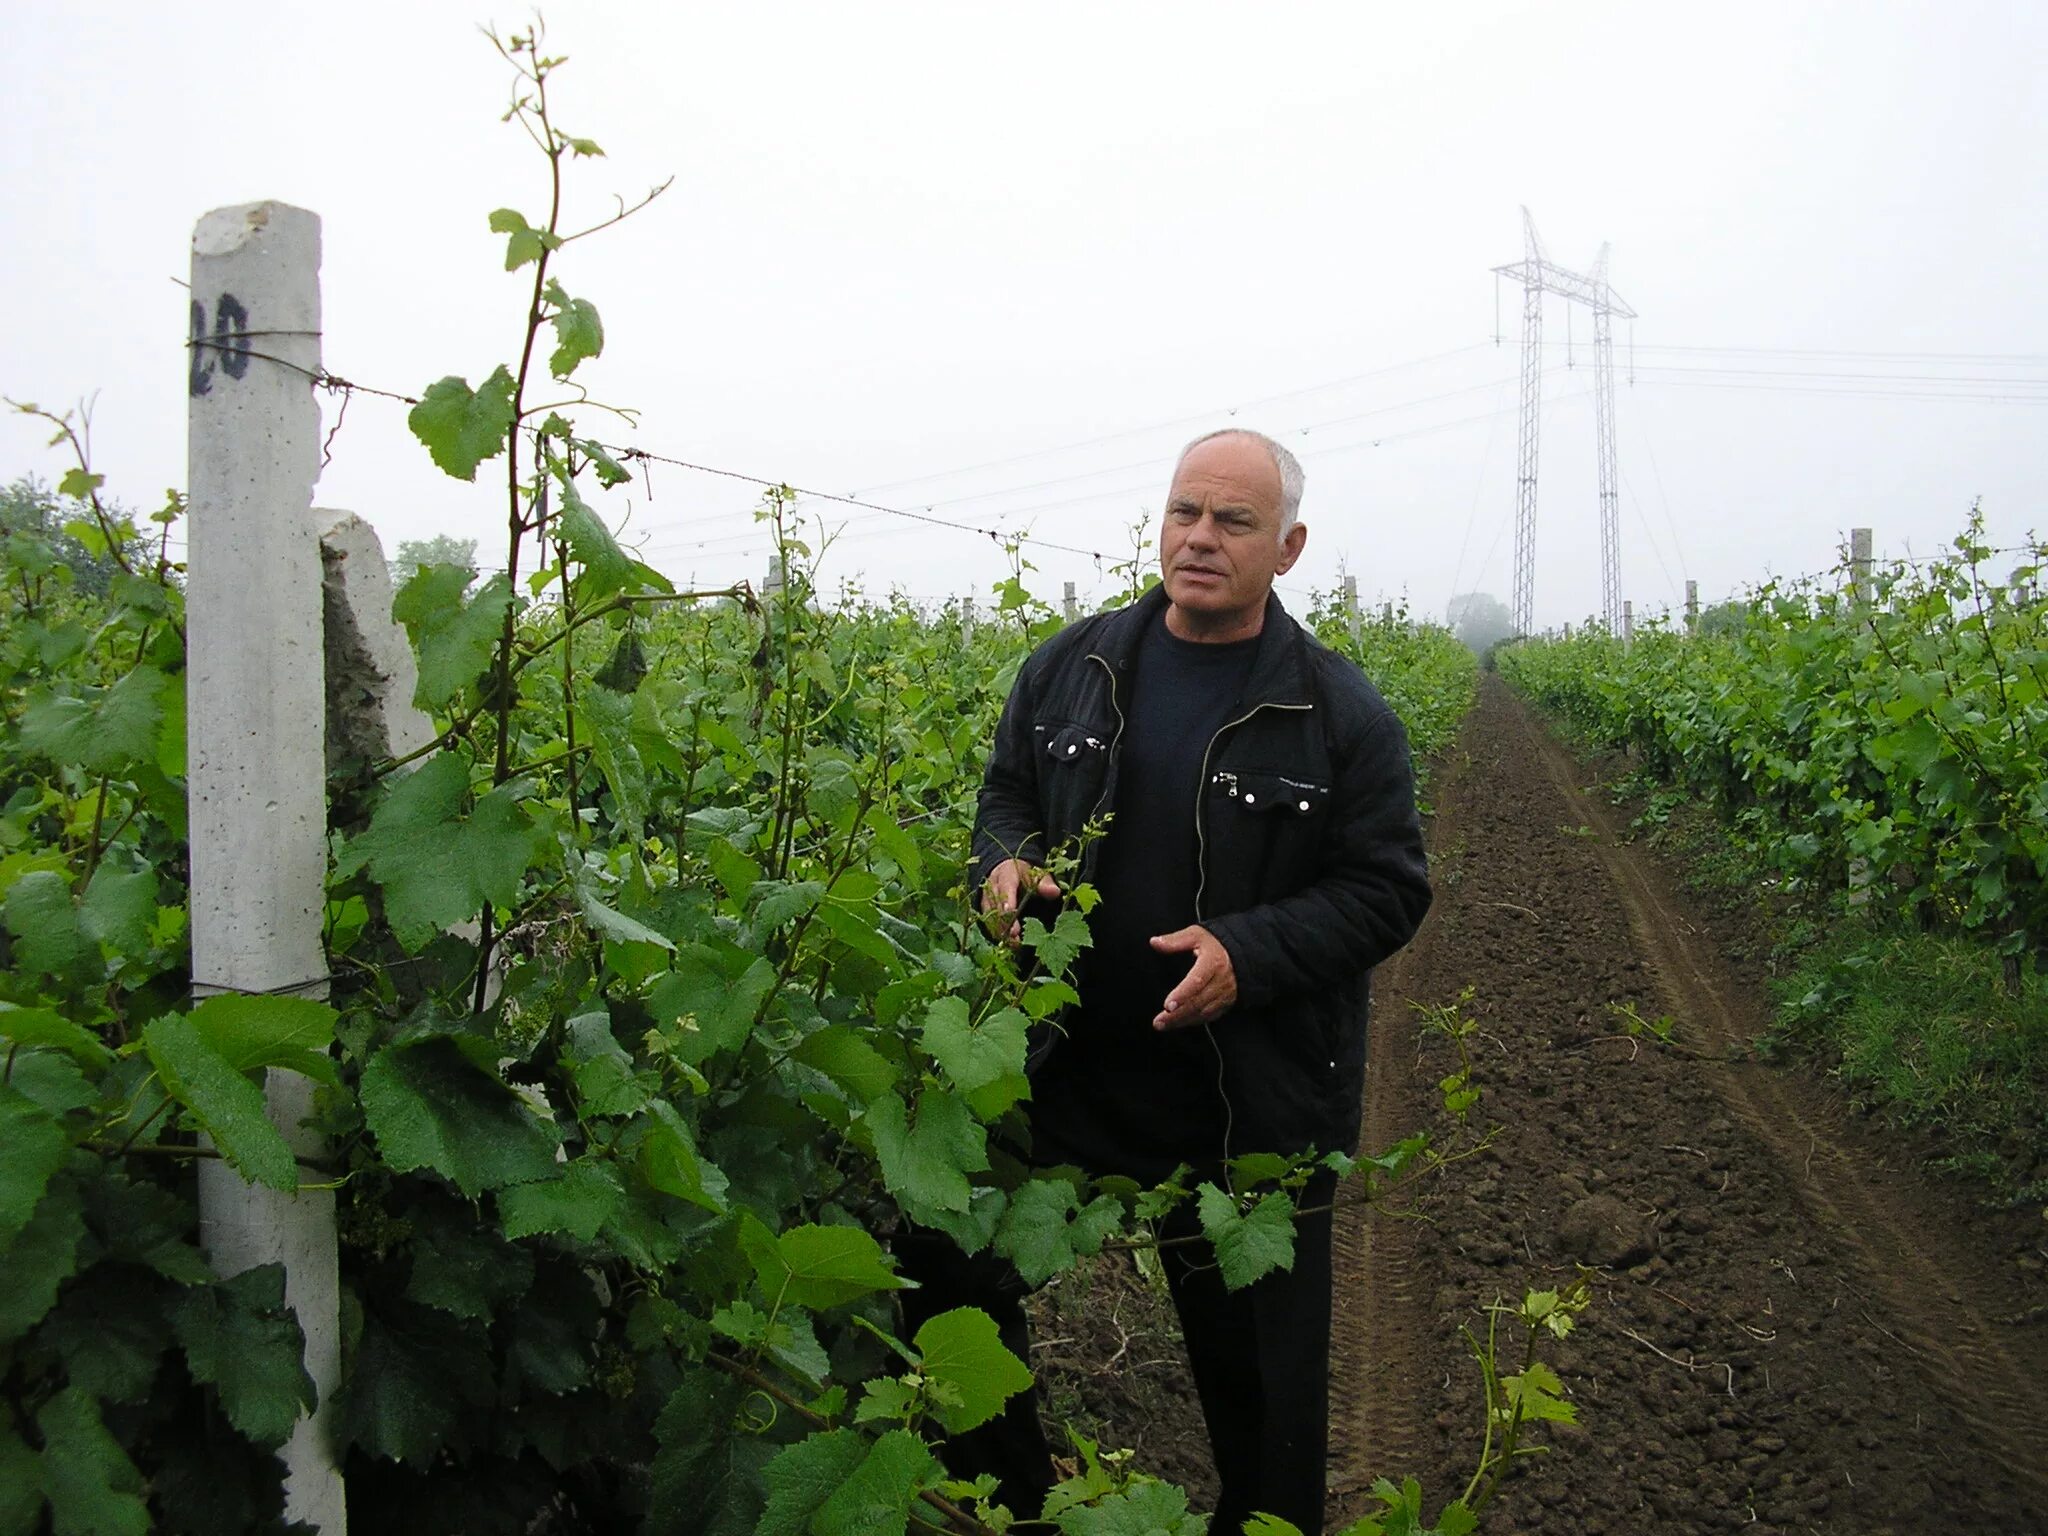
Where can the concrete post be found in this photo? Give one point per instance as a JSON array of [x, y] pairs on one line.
[[1692, 607], [1567, 629], [773, 583], [1351, 606], [1628, 620], [1069, 605], [256, 765], [1859, 564], [1387, 613], [371, 674]]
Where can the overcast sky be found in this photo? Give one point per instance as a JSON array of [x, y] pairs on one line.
[[1000, 262]]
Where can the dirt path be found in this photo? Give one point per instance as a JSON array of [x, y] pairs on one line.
[[1807, 1337]]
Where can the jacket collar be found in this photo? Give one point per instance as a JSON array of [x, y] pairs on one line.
[[1280, 667]]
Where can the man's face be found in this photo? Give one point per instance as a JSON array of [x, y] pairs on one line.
[[1220, 547]]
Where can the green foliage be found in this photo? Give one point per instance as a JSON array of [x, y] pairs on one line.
[[461, 427], [658, 1004], [412, 555], [1423, 670], [1896, 743]]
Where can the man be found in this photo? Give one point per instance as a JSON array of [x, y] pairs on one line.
[[1263, 856]]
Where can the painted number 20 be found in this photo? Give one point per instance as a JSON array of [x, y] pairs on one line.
[[229, 340]]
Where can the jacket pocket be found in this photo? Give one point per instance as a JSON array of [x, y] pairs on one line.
[[1260, 792], [1062, 743]]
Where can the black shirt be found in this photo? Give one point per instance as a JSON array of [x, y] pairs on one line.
[[1119, 1096]]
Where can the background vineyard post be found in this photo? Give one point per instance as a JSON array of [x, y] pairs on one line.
[[257, 787]]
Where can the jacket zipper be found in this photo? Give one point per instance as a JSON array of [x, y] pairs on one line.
[[1201, 885], [1109, 780]]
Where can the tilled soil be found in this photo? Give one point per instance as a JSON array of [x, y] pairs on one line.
[[1790, 1331]]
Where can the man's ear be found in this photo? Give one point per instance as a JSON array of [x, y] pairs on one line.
[[1290, 548]]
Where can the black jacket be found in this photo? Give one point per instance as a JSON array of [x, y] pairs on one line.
[[1310, 849]]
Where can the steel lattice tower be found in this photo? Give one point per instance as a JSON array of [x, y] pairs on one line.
[[1539, 275]]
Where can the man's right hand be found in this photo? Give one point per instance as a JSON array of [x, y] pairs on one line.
[[1002, 892]]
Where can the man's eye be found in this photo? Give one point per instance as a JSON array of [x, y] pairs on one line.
[[1184, 515]]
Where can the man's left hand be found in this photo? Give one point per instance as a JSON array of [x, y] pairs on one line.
[[1208, 991]]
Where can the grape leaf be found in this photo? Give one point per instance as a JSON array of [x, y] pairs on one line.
[[254, 1031], [41, 1026], [462, 1267], [669, 1159], [35, 1145], [108, 731], [581, 1200], [706, 1478], [1047, 1229], [606, 568], [839, 1052], [875, 1499], [21, 1485], [453, 635], [44, 922], [926, 1164], [1057, 946], [1249, 1245], [1145, 1509], [242, 1340], [92, 1486], [525, 243], [783, 902], [819, 1267], [436, 866], [804, 1475], [430, 1107], [40, 1258], [118, 910], [1534, 1394], [717, 991], [974, 1056], [462, 427], [579, 334], [224, 1103], [962, 1351], [109, 1333], [413, 1382]]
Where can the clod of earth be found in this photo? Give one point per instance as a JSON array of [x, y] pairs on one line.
[[1600, 1230]]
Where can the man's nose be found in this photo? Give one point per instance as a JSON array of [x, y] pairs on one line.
[[1203, 533]]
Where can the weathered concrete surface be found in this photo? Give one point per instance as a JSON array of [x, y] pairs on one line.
[[256, 765]]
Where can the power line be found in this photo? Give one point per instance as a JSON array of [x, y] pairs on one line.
[[1178, 421]]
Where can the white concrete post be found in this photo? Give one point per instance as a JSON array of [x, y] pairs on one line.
[[967, 618], [1070, 607], [1567, 629], [256, 766], [1628, 620], [1351, 607], [1859, 564], [775, 581], [1692, 607]]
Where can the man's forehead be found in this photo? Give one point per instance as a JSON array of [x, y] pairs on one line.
[[1227, 465]]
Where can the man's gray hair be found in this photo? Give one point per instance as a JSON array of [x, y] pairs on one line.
[[1288, 465]]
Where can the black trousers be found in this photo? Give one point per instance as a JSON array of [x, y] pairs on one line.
[[1261, 1359]]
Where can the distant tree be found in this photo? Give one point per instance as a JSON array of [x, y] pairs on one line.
[[1723, 618], [441, 549], [32, 522], [1480, 620]]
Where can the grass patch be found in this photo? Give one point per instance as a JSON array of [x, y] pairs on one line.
[[1922, 1025]]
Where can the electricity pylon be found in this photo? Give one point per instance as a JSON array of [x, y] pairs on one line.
[[1539, 275]]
